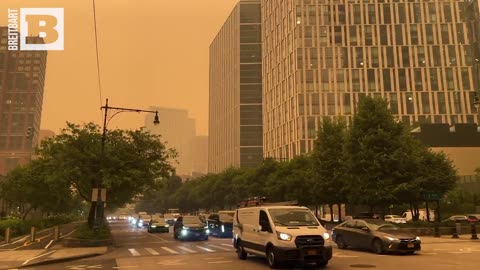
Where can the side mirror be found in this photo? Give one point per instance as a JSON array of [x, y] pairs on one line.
[[365, 229]]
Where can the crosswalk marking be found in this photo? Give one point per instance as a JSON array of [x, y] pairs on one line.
[[206, 249], [187, 249], [153, 252], [134, 252], [222, 248], [169, 250]]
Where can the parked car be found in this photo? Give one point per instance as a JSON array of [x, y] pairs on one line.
[[158, 225], [473, 217], [376, 235], [394, 219], [190, 227], [457, 218], [368, 215], [221, 224]]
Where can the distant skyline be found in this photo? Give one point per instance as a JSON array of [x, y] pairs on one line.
[[152, 53]]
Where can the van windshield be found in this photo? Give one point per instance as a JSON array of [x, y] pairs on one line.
[[293, 217]]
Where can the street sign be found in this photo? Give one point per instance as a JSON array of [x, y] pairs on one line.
[[95, 194], [430, 196]]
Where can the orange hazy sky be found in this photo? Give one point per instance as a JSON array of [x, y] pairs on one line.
[[152, 53]]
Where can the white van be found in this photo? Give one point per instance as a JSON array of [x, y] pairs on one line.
[[407, 215], [282, 234]]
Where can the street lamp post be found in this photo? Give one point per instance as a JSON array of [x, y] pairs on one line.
[[99, 210]]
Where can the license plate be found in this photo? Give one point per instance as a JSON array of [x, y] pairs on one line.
[[410, 245], [311, 252]]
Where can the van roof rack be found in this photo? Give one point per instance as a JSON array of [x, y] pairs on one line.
[[259, 201]]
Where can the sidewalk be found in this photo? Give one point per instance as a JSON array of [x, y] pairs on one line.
[[23, 258], [448, 239]]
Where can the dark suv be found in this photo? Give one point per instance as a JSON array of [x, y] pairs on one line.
[[190, 227], [221, 224]]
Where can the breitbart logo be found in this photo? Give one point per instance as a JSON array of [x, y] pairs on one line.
[[25, 23]]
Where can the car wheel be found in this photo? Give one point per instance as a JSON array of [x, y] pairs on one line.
[[241, 253], [322, 263], [377, 246], [271, 258], [340, 242]]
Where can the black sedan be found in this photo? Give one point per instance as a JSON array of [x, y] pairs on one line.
[[158, 225], [190, 227], [376, 235], [221, 224]]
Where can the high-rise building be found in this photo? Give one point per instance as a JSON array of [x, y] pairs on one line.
[[320, 57], [235, 109], [199, 149], [22, 76], [178, 131]]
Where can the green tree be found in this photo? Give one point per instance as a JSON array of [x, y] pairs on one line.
[[375, 143], [329, 164], [291, 181], [133, 161], [31, 187]]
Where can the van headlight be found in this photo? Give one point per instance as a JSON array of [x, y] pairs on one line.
[[417, 238], [154, 226], [166, 225], [326, 236], [284, 236]]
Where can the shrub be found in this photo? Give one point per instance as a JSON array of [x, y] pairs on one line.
[[85, 232], [17, 226]]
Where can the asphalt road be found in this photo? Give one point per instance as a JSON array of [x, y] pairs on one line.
[[42, 239], [137, 249]]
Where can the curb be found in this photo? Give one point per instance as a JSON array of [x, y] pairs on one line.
[[60, 260]]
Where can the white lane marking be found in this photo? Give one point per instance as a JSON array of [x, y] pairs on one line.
[[63, 236], [344, 256], [134, 252], [206, 249], [151, 251], [49, 243], [221, 262], [428, 253], [126, 266], [19, 240], [439, 249], [460, 252], [158, 237], [222, 248], [173, 262], [169, 250], [214, 258], [228, 245], [187, 249], [39, 256]]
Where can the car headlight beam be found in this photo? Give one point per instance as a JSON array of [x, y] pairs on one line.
[[391, 238], [326, 236]]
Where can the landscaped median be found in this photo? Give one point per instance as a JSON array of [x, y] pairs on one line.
[[85, 236]]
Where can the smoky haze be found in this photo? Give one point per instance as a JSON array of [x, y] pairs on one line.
[[152, 52]]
